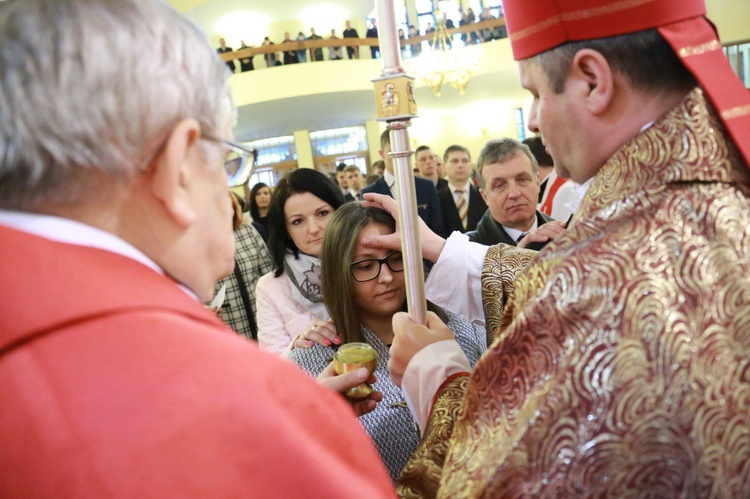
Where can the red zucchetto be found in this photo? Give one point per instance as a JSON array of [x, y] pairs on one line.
[[540, 25]]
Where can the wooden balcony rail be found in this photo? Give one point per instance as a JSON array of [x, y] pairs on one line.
[[738, 53], [250, 52]]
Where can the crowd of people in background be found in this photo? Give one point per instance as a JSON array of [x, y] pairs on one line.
[[408, 50], [500, 199]]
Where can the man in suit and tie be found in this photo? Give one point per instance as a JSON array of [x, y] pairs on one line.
[[223, 49], [354, 179], [428, 205], [341, 179], [425, 161], [509, 182], [461, 201]]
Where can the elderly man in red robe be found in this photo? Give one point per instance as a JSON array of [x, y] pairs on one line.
[[115, 381], [621, 365]]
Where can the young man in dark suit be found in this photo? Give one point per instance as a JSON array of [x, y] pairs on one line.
[[424, 159], [428, 205], [223, 49], [460, 200]]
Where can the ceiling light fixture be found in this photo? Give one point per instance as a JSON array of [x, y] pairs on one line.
[[448, 61]]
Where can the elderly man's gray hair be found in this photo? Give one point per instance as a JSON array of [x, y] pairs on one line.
[[500, 151], [96, 86]]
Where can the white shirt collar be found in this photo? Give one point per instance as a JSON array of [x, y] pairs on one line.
[[515, 233], [390, 181], [465, 188], [580, 189]]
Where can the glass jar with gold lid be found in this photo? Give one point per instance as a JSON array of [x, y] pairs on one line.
[[352, 356]]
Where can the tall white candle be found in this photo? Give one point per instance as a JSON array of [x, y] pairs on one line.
[[390, 51]]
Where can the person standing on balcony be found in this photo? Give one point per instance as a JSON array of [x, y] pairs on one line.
[[372, 32], [246, 63], [349, 32], [301, 54], [316, 54], [416, 48], [271, 56], [334, 53], [224, 49], [401, 40], [290, 55]]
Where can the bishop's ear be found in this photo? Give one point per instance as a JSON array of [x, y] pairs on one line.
[[172, 172], [592, 80]]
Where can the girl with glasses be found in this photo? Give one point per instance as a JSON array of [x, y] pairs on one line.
[[363, 288]]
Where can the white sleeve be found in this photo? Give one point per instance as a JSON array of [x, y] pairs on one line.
[[426, 373], [280, 317], [455, 281]]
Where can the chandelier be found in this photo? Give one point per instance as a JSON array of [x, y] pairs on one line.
[[447, 61]]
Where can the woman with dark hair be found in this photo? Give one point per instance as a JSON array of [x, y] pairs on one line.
[[363, 288], [260, 200], [291, 312]]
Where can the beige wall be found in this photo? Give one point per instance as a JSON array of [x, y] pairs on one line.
[[732, 18]]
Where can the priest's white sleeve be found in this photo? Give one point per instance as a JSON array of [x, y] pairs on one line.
[[426, 373], [455, 281]]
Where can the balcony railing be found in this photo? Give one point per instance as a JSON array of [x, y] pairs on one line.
[[738, 54], [491, 26]]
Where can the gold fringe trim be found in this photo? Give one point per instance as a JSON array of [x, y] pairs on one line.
[[578, 15], [735, 112], [699, 49]]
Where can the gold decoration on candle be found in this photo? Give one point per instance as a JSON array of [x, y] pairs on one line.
[[395, 97]]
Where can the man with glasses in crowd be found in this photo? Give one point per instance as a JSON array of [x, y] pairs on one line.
[[114, 225]]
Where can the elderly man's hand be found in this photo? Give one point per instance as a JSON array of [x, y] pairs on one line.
[[432, 244], [341, 383], [546, 232], [409, 338]]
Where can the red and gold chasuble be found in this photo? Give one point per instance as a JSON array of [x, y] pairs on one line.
[[622, 364]]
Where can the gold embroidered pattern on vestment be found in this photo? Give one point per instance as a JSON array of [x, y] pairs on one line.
[[420, 477], [501, 267], [625, 367]]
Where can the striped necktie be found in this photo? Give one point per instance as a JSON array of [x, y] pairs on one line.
[[462, 206]]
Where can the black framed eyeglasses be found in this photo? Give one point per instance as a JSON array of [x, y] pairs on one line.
[[369, 269], [240, 162]]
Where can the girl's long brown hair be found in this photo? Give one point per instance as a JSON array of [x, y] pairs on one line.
[[337, 253]]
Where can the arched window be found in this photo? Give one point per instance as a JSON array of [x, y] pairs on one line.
[[340, 145], [425, 16], [275, 157]]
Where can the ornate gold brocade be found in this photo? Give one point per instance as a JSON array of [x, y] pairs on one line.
[[625, 368], [421, 475], [501, 267]]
